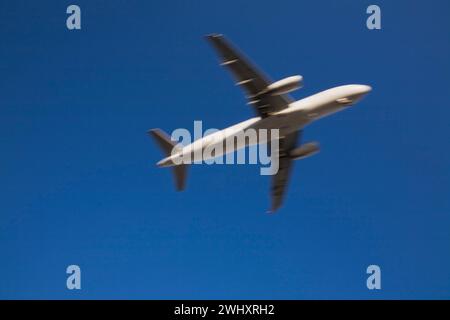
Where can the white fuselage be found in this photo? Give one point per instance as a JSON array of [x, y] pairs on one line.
[[296, 116]]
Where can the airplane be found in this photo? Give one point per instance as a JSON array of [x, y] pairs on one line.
[[275, 109]]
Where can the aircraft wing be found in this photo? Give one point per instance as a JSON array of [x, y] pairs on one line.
[[249, 77], [281, 178]]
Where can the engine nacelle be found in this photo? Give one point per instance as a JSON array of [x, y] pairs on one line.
[[304, 151], [285, 85]]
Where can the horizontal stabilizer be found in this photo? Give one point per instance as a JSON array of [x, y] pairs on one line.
[[163, 140], [166, 144]]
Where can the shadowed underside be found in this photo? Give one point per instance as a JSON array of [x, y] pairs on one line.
[[275, 109]]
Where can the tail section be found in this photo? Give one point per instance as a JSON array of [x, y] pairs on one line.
[[163, 141], [167, 145]]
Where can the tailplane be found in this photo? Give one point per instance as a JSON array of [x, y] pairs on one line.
[[167, 145]]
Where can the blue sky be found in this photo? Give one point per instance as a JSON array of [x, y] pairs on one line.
[[79, 184]]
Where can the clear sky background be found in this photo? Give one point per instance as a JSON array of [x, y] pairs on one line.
[[79, 183]]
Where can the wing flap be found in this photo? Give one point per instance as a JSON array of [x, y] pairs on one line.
[[249, 77], [281, 179]]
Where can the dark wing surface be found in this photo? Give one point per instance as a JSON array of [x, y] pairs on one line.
[[249, 77]]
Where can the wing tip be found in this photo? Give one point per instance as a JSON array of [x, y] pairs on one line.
[[273, 209], [214, 35], [152, 131]]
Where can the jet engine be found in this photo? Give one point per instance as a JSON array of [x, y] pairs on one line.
[[304, 151], [284, 85]]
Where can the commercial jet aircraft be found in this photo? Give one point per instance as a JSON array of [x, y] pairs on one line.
[[275, 109]]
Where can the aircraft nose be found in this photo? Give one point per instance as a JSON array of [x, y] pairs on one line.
[[365, 88]]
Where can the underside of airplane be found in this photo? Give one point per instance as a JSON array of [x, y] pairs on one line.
[[274, 109]]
